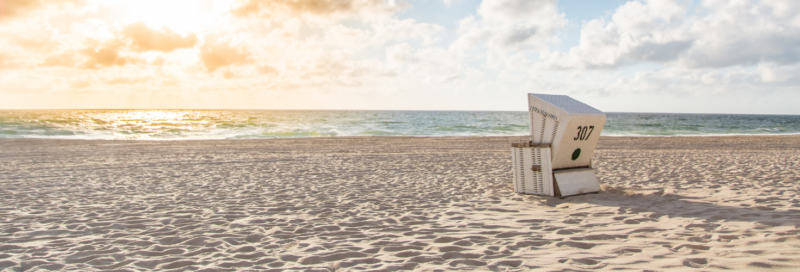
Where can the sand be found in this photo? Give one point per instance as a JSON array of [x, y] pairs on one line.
[[392, 203]]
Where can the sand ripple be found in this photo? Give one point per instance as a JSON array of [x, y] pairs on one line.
[[387, 204]]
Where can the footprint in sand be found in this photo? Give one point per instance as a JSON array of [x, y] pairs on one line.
[[408, 253], [576, 245], [444, 249], [584, 263], [446, 239], [568, 231], [426, 259], [627, 250], [691, 246], [696, 262], [467, 262], [509, 263]]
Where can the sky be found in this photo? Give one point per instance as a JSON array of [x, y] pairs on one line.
[[681, 56]]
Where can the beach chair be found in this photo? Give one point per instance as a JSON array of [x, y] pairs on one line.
[[557, 160]]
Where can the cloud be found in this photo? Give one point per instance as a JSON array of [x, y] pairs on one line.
[[35, 43], [13, 8], [428, 64], [318, 7], [80, 84], [745, 33], [18, 8], [66, 59], [228, 74], [158, 61], [516, 10], [165, 40], [652, 32], [400, 54], [381, 32], [511, 25], [406, 29], [120, 47], [215, 53], [677, 81], [105, 55], [127, 80], [721, 34], [764, 78], [6, 62], [333, 69], [267, 70]]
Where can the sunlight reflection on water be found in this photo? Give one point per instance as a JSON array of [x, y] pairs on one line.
[[242, 124], [255, 124]]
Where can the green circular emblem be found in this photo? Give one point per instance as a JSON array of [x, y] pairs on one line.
[[576, 154]]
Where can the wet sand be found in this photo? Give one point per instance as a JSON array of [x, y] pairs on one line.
[[393, 203]]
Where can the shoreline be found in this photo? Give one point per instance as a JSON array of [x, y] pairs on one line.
[[603, 138], [707, 135], [388, 203], [398, 136]]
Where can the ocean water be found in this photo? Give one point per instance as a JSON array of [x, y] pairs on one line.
[[256, 124]]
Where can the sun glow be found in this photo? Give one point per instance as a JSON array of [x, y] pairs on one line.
[[143, 124], [182, 16]]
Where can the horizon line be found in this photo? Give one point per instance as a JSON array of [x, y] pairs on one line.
[[167, 109]]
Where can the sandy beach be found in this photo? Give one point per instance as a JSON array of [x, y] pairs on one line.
[[394, 203]]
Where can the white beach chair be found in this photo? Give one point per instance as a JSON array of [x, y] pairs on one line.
[[557, 160]]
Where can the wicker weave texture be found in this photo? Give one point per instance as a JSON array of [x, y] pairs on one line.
[[576, 181], [527, 181], [544, 123]]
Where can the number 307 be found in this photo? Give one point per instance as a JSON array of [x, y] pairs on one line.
[[582, 133]]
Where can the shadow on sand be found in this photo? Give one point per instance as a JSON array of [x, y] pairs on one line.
[[764, 213]]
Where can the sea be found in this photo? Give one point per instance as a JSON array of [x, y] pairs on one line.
[[265, 124]]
